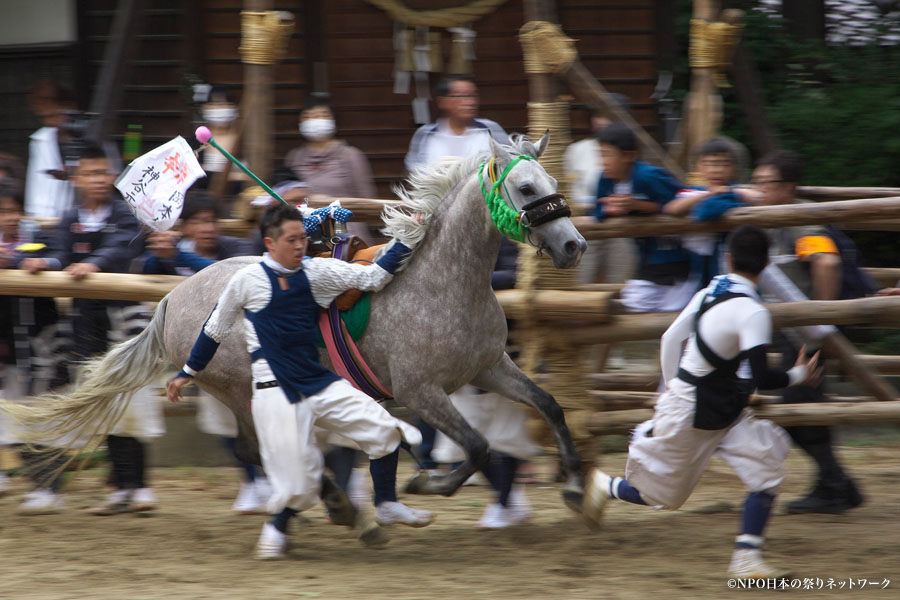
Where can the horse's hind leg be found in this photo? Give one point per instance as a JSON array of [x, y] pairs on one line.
[[434, 406], [507, 379]]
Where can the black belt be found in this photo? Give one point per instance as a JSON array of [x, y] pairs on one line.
[[264, 385], [686, 377]]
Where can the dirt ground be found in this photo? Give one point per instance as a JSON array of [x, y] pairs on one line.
[[193, 547]]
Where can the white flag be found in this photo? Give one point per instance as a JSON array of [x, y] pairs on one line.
[[154, 184]]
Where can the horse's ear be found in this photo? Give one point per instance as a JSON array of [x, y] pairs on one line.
[[542, 144], [501, 155]]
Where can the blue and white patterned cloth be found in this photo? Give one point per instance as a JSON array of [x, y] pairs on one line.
[[312, 220]]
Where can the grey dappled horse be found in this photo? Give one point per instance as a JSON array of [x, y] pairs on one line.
[[434, 328]]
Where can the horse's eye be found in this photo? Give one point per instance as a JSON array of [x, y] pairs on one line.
[[527, 190]]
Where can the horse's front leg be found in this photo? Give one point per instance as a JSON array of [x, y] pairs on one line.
[[434, 406], [506, 379]]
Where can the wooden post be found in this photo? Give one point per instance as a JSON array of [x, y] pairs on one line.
[[838, 346], [259, 121], [117, 57], [748, 88], [703, 114]]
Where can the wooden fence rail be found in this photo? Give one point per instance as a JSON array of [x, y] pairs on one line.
[[623, 421]]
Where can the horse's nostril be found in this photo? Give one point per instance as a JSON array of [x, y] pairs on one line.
[[571, 248]]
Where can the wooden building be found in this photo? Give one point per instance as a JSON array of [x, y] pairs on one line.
[[343, 47]]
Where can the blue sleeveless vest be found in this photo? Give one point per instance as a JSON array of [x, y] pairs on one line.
[[287, 331]]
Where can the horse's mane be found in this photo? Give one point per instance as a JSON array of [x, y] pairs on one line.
[[428, 186]]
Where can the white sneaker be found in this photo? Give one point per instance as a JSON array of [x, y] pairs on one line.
[[42, 501], [493, 517], [519, 507], [143, 499], [272, 544], [116, 503], [747, 563], [496, 516], [247, 502], [263, 492], [390, 513], [596, 495]]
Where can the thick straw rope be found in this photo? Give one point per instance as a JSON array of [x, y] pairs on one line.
[[546, 48], [712, 46], [445, 17], [265, 36]]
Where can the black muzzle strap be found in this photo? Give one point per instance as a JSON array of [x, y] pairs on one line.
[[543, 210]]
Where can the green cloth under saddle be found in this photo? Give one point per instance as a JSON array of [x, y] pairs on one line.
[[356, 319]]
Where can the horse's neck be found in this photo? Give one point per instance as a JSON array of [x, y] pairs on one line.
[[462, 240]]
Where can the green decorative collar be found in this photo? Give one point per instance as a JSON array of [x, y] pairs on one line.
[[505, 218]]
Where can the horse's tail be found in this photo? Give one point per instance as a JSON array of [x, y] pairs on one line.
[[105, 388]]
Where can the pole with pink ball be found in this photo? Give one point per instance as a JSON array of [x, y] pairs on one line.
[[204, 136]]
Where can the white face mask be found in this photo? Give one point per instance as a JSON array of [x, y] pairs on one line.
[[317, 130], [220, 116]]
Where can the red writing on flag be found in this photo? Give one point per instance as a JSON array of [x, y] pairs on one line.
[[178, 167]]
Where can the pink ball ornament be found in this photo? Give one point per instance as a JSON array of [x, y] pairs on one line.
[[203, 134]]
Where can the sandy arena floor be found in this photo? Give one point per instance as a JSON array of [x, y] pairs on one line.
[[193, 547]]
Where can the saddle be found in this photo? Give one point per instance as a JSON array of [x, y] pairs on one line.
[[353, 249]]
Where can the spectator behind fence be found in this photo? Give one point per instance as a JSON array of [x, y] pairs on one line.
[[717, 167], [329, 166], [48, 192], [220, 113], [30, 352], [809, 255], [631, 187], [293, 191], [612, 260], [457, 132], [198, 244], [99, 234]]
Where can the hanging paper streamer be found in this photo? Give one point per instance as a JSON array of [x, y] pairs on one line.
[[154, 184]]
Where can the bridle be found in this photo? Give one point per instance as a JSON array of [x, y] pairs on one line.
[[514, 224]]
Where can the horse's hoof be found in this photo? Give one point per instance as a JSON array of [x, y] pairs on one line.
[[420, 484], [340, 510], [574, 499], [374, 536]]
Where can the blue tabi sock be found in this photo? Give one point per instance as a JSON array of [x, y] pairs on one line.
[[621, 489], [281, 520], [384, 477], [757, 508]]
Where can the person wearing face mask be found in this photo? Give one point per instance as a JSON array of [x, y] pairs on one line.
[[327, 165], [220, 113]]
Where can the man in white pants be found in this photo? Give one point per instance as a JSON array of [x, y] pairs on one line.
[[703, 410], [279, 299]]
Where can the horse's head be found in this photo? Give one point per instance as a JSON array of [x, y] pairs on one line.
[[527, 189]]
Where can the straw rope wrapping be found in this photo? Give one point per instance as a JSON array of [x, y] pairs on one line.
[[546, 48], [445, 17], [712, 46], [265, 36]]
